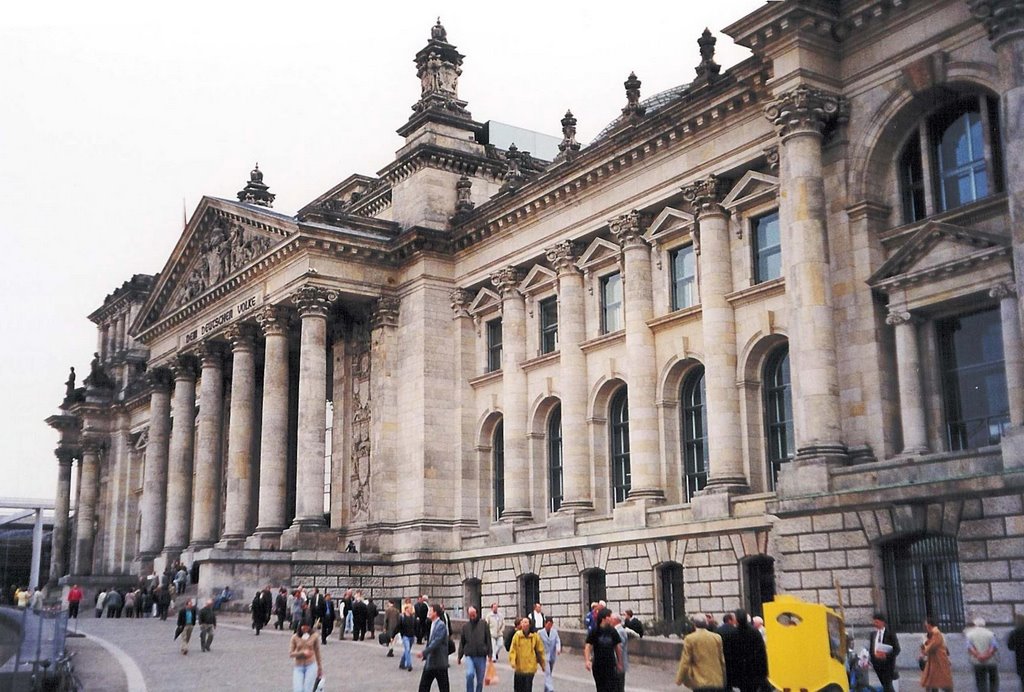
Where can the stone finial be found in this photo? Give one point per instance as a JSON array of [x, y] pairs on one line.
[[463, 196], [568, 148], [708, 69], [439, 66], [507, 281], [705, 195], [633, 109], [385, 312], [514, 176], [564, 255], [256, 191], [1004, 290], [805, 110], [438, 33], [314, 300], [1004, 19], [460, 300], [629, 228]]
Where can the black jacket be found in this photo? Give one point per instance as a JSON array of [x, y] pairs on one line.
[[475, 639], [207, 616], [181, 619], [884, 669], [746, 662]]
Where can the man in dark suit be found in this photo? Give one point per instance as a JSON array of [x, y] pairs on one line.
[[435, 653], [316, 606], [883, 660], [421, 609], [359, 617]]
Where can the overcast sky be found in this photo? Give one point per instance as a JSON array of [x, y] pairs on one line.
[[113, 113]]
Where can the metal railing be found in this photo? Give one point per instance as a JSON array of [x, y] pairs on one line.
[[40, 654]]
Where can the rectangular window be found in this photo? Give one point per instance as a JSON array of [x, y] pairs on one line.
[[494, 345], [684, 277], [549, 325], [611, 303], [767, 239]]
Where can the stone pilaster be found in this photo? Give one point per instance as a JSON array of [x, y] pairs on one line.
[[1013, 352], [85, 514], [644, 450], [382, 469], [908, 373], [154, 489], [513, 381], [238, 515], [470, 498], [718, 321], [800, 117], [313, 304], [206, 495], [572, 376], [273, 321], [61, 510], [180, 457]]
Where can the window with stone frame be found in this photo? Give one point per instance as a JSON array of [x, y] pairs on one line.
[[619, 440], [494, 345], [695, 433], [673, 600], [766, 247], [922, 579], [548, 309], [759, 573], [529, 593], [555, 487], [498, 469], [974, 393], [595, 581], [472, 593], [778, 413], [683, 264], [611, 303], [952, 158]]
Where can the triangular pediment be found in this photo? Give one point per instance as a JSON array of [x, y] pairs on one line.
[[537, 279], [600, 251], [752, 189], [938, 246], [485, 300], [221, 240], [668, 223]]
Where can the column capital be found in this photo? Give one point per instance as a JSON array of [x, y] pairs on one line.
[[706, 196], [1002, 291], [1004, 19], [314, 300], [65, 455], [211, 354], [897, 317], [242, 336], [507, 281], [385, 312], [91, 444], [460, 300], [184, 367], [159, 379], [805, 110], [273, 320], [564, 255], [629, 229]]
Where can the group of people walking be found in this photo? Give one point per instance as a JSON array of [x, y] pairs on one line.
[[731, 655]]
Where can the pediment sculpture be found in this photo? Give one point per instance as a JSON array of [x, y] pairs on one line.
[[222, 252]]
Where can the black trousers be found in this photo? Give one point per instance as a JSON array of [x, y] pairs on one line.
[[428, 677], [522, 682], [73, 608]]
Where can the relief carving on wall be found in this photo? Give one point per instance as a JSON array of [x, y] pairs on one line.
[[359, 481], [223, 251]]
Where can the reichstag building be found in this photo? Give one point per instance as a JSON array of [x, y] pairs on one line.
[[762, 335]]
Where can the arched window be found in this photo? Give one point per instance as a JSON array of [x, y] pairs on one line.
[[760, 578], [529, 593], [596, 585], [619, 417], [922, 579], [778, 413], [952, 159], [472, 593], [673, 602], [695, 433], [498, 454], [555, 458]]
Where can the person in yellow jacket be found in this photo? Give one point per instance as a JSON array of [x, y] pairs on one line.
[[702, 665], [525, 655]]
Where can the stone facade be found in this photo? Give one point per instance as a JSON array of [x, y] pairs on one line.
[[751, 381]]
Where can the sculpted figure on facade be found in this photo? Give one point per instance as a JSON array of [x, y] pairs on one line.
[[221, 253]]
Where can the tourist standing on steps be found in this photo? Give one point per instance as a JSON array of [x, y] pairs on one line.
[[187, 618], [474, 644], [496, 627], [304, 650], [435, 653], [207, 624]]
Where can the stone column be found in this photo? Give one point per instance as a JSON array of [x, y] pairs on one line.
[[271, 519], [238, 510], [572, 376], [1013, 352], [718, 321], [85, 514], [179, 462], [908, 374], [638, 299], [514, 397], [313, 304], [800, 116], [61, 509], [154, 489], [472, 496], [206, 494]]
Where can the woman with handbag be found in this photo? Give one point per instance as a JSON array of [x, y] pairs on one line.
[[525, 655], [936, 671]]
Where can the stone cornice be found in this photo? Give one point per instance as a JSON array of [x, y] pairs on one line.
[[960, 265], [433, 156], [776, 22]]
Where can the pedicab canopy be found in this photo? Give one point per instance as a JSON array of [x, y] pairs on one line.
[[806, 645]]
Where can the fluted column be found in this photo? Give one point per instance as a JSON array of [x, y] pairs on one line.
[[514, 401], [238, 509], [273, 321], [908, 374], [572, 378], [180, 456], [61, 509], [1013, 351], [313, 304], [206, 495], [644, 450], [718, 322], [85, 514], [800, 116], [154, 489]]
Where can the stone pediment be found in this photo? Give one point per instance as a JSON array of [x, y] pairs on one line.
[[485, 300], [669, 223], [752, 189], [221, 239], [538, 279], [598, 253], [938, 248]]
